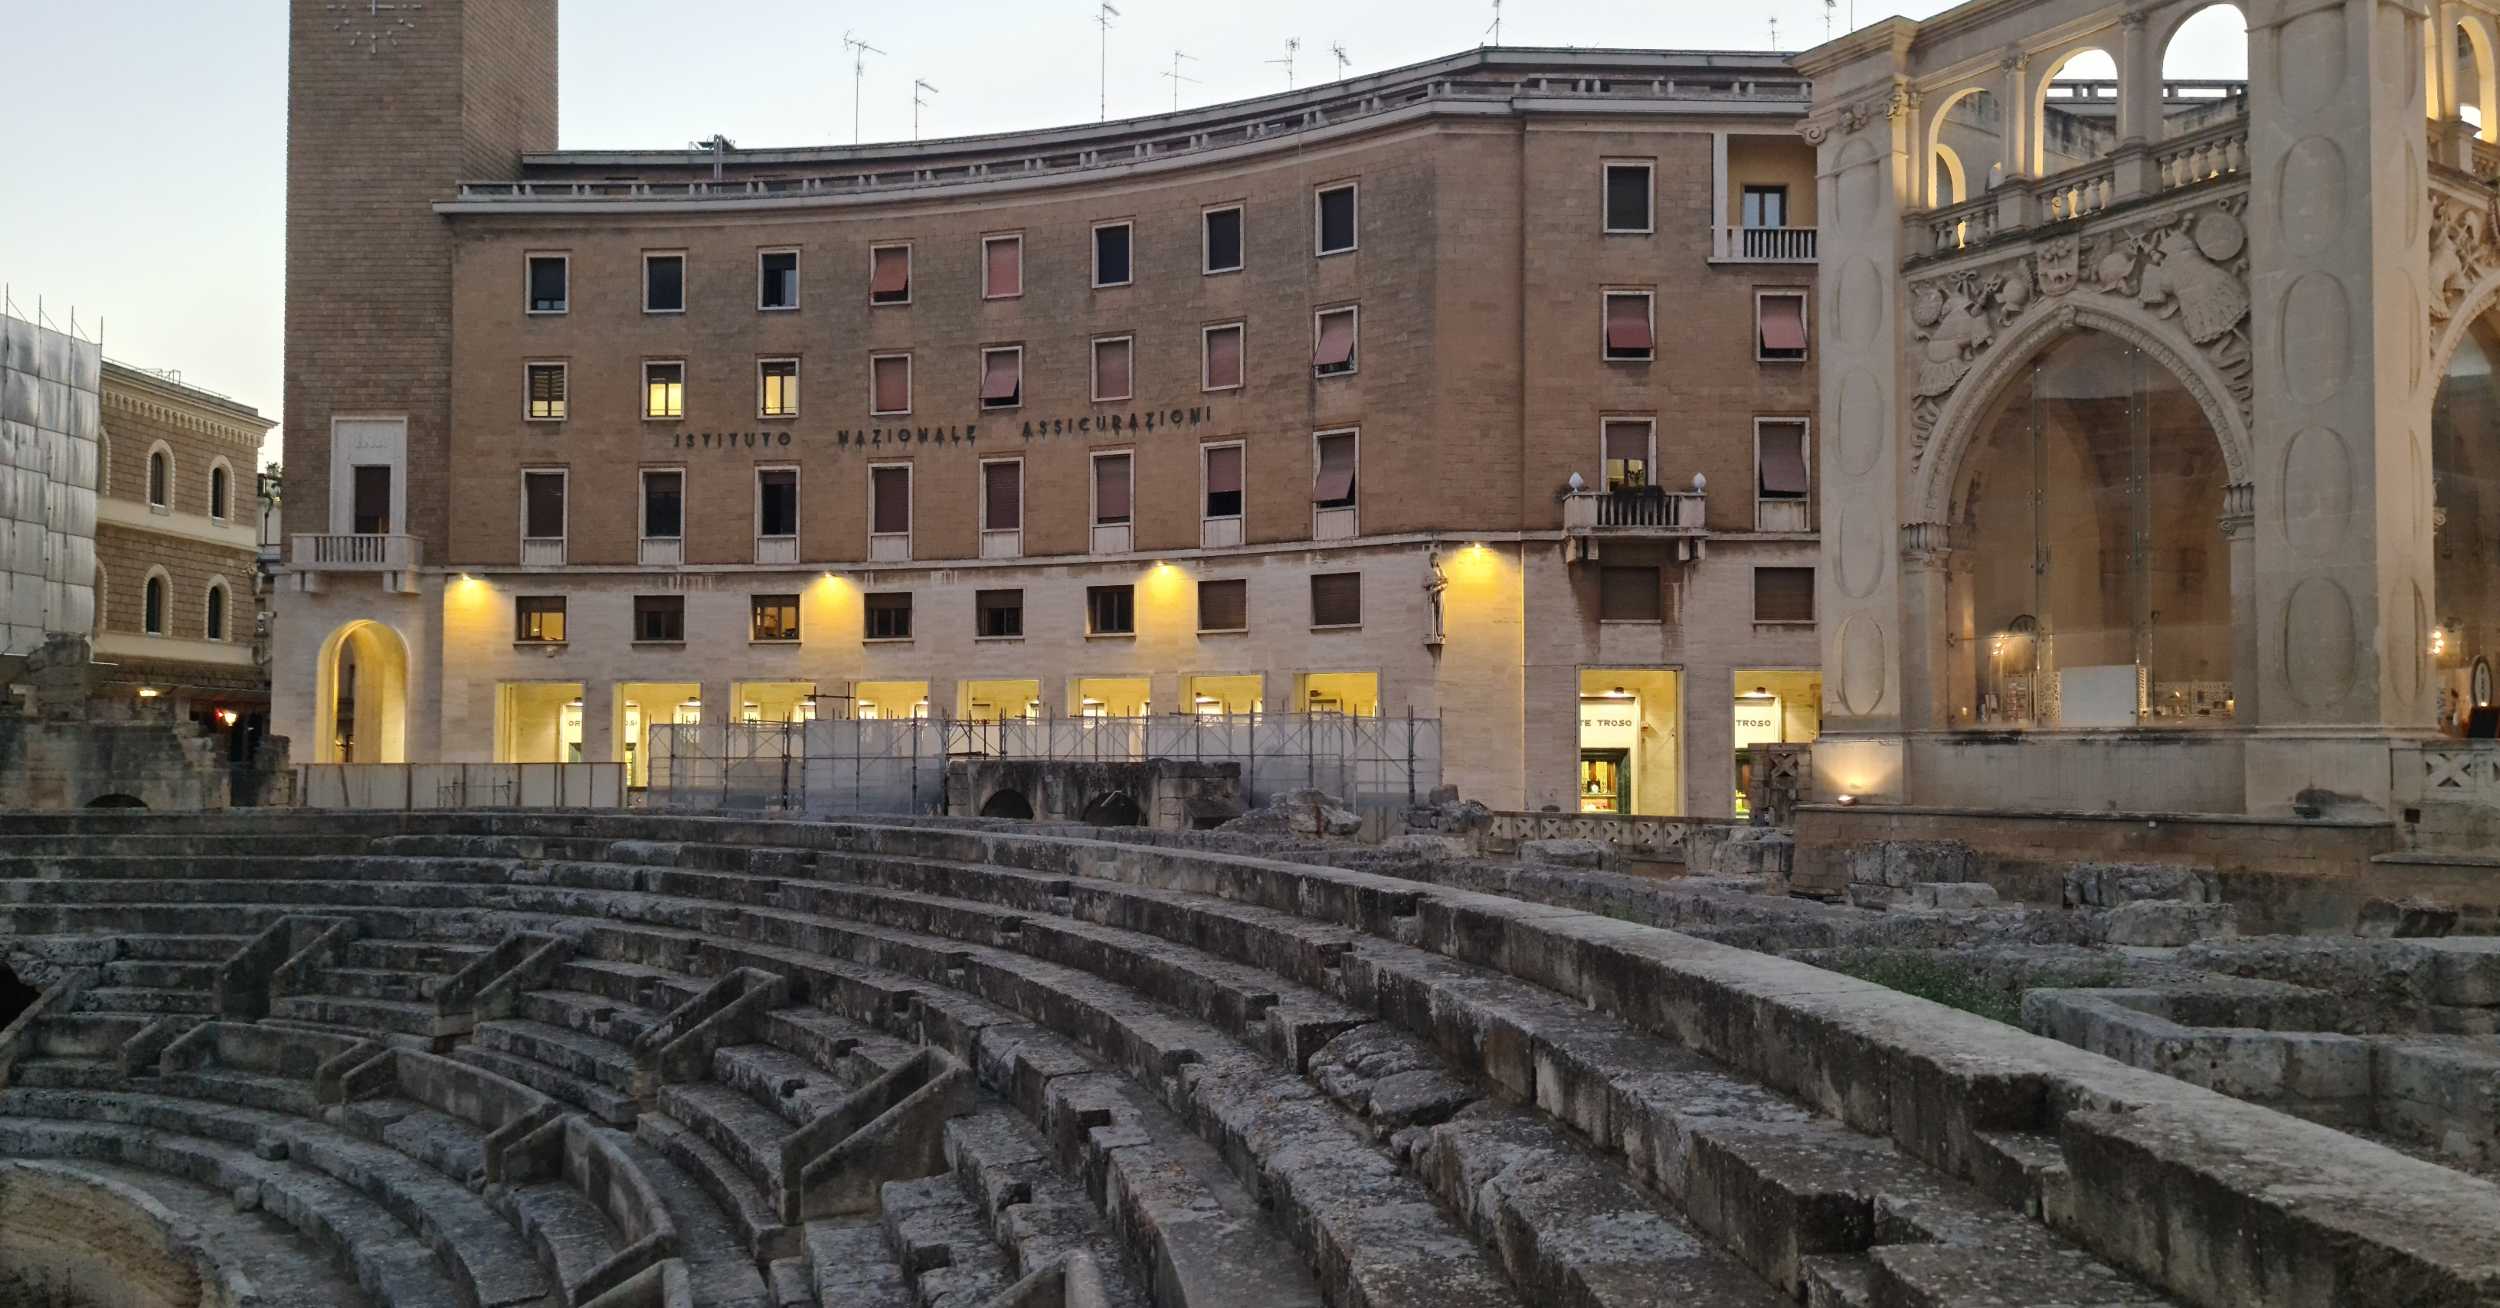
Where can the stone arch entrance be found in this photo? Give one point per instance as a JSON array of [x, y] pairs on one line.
[[360, 701], [1007, 804], [2091, 538], [1114, 809]]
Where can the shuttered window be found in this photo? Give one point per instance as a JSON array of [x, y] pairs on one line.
[[1627, 325], [1783, 470], [1333, 486], [889, 274], [889, 380], [1224, 605], [1002, 495], [1110, 610], [1781, 324], [542, 498], [1223, 481], [889, 500], [1783, 594], [1112, 357], [1333, 348], [1337, 599], [1223, 357], [546, 391], [1002, 378], [660, 617], [1629, 595], [663, 505], [889, 616], [1002, 267]]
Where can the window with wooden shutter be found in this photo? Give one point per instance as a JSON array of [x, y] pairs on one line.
[[1002, 377], [889, 500], [663, 505], [1628, 326], [1780, 325], [1112, 358], [1337, 599], [889, 274], [1332, 487], [1110, 610], [1630, 595], [1223, 481], [659, 618], [546, 391], [1783, 594], [1333, 346], [1224, 605], [1222, 371], [1002, 495], [1002, 267], [889, 382], [542, 497]]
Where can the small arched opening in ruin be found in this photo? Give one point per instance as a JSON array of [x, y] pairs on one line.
[[1007, 804], [15, 995], [1114, 809], [117, 801]]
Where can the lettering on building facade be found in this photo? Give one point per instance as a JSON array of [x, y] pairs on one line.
[[1117, 423]]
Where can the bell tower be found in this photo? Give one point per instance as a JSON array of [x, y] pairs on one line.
[[390, 104]]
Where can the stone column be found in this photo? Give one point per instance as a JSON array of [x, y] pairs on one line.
[[1929, 627], [1869, 164], [1718, 193], [2019, 151], [2139, 107], [2338, 259], [2239, 536], [720, 708], [599, 743]]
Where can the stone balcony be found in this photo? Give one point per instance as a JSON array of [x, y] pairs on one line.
[[1762, 244], [1649, 514], [395, 559], [2129, 175]]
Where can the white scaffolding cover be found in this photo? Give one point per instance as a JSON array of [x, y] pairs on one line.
[[51, 420]]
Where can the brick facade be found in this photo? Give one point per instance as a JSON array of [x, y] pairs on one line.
[[1479, 275]]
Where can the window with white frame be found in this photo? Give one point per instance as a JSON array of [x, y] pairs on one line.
[[1002, 495], [1220, 362], [664, 388], [1002, 266], [161, 476], [889, 274], [1113, 357], [777, 502], [663, 503], [1780, 326], [1628, 196], [1002, 376], [1334, 347], [542, 504], [1112, 255], [1220, 247], [548, 278], [777, 388], [1113, 490], [220, 478], [1222, 468], [1334, 219], [776, 279], [1629, 449], [889, 499], [664, 281], [1630, 327], [889, 384], [543, 385], [215, 625], [1332, 477], [152, 602]]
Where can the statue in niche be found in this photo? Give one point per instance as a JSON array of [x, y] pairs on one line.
[[1435, 582]]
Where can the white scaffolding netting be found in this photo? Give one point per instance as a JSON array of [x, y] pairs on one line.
[[51, 421]]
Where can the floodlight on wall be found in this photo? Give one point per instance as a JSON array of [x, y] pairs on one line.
[[228, 716], [149, 692]]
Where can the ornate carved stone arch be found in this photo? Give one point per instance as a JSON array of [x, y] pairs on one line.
[[2478, 300], [1931, 494]]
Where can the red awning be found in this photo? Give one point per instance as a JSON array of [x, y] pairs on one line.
[[1336, 341], [1627, 322], [890, 271], [891, 499], [893, 383], [1111, 370], [1784, 324], [1002, 376], [1002, 487], [1224, 357], [1002, 264], [1336, 470], [1111, 489], [1224, 470], [1784, 460]]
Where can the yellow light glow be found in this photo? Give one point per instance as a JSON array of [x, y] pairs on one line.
[[149, 692], [228, 716]]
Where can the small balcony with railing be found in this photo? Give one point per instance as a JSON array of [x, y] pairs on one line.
[[1767, 213], [395, 559], [1648, 514]]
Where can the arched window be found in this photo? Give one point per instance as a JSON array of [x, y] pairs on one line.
[[152, 607], [2204, 70], [160, 478], [1967, 135], [217, 491], [217, 610], [2078, 118], [2465, 522], [2090, 505]]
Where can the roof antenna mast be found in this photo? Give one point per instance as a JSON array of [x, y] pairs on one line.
[[1292, 43], [918, 104], [860, 50], [1337, 48], [1496, 29], [1179, 77], [1103, 15]]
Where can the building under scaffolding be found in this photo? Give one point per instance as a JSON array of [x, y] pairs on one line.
[[50, 427]]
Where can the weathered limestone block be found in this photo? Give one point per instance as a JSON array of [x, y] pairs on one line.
[[2168, 923], [2110, 885], [1904, 863], [1954, 896], [1568, 853]]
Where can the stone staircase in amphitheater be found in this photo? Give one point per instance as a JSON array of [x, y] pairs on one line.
[[505, 1059]]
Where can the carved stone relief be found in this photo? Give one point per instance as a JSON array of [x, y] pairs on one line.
[[2462, 252], [2190, 267]]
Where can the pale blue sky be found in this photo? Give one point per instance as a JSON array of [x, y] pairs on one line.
[[142, 155]]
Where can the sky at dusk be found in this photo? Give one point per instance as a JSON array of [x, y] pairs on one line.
[[142, 165]]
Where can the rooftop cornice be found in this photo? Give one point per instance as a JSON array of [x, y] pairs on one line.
[[207, 404]]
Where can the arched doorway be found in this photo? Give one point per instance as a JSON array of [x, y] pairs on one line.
[[1114, 809], [360, 704], [2093, 582], [2465, 524]]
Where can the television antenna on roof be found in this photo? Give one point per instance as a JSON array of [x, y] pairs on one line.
[[1337, 48], [860, 50], [1292, 44], [1775, 33], [1179, 77], [918, 104], [1103, 15], [1496, 28]]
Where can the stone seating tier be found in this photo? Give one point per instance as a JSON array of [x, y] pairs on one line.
[[1202, 1078]]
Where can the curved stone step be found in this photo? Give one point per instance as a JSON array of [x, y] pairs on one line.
[[256, 1260]]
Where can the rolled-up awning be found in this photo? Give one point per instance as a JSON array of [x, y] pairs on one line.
[[1627, 323], [1002, 486], [1336, 341], [1224, 470], [1336, 470], [1784, 459], [1783, 324], [890, 271], [890, 500]]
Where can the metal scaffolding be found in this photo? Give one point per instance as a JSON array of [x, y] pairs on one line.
[[51, 440]]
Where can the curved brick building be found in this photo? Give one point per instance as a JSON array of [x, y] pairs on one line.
[[1271, 407]]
